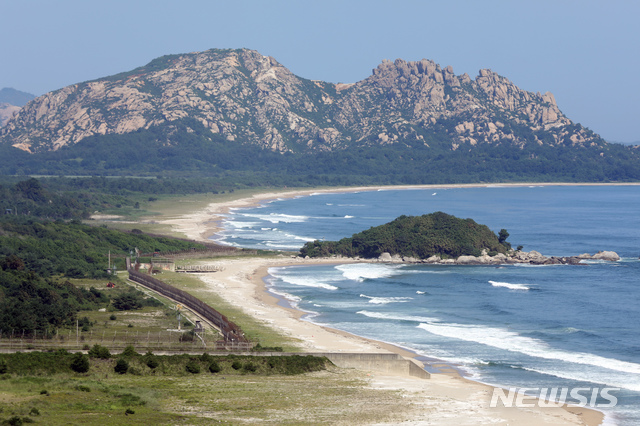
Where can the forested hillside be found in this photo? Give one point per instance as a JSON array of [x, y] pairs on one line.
[[419, 237], [191, 154]]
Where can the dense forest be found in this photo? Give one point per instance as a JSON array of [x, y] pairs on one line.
[[43, 242], [190, 152], [434, 234], [74, 249], [36, 257], [31, 303]]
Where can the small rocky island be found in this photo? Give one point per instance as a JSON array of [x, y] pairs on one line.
[[437, 238]]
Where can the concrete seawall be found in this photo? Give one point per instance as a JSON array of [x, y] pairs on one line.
[[379, 363]]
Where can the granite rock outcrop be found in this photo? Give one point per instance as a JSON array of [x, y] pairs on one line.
[[246, 97]]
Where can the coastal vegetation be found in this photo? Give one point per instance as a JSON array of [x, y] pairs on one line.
[[420, 237], [149, 364], [193, 155], [74, 249], [52, 393]]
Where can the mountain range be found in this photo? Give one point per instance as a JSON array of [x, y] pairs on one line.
[[243, 100], [11, 100]]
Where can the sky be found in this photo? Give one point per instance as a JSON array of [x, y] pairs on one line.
[[585, 52]]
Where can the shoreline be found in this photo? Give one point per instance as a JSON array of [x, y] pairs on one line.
[[203, 224], [243, 284], [314, 337]]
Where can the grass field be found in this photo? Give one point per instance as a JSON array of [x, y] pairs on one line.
[[171, 395]]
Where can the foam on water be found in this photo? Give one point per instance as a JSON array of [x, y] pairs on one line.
[[385, 300], [278, 217], [619, 380], [395, 317], [236, 224], [363, 271], [514, 342], [303, 281], [509, 285], [294, 301]]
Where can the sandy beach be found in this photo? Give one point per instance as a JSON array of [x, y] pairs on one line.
[[444, 399]]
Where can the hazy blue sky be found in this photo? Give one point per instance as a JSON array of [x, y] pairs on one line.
[[586, 52]]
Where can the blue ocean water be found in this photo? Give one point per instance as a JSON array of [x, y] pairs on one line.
[[511, 326]]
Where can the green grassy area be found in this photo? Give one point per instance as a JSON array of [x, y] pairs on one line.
[[103, 397]]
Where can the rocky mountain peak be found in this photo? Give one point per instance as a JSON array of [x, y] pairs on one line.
[[246, 97]]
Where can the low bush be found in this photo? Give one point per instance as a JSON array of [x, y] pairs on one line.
[[192, 367], [250, 367], [214, 367], [98, 351], [80, 363], [121, 367], [129, 351]]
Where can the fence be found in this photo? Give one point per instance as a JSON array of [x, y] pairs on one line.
[[168, 340], [198, 268], [232, 334]]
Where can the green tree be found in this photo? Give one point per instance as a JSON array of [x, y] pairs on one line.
[[98, 351], [121, 367], [502, 236], [80, 363]]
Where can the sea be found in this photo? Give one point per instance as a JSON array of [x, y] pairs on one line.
[[511, 326]]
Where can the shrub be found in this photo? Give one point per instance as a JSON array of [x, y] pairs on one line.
[[113, 317], [260, 348], [130, 351], [128, 301], [3, 367], [129, 411], [214, 367], [152, 362], [205, 357], [14, 421], [237, 365], [121, 367], [80, 363], [251, 367], [98, 351], [188, 336], [192, 367]]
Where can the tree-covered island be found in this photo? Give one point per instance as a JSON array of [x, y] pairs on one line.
[[435, 238]]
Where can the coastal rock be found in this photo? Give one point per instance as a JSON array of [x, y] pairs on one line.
[[467, 260], [606, 255], [500, 258], [528, 257], [433, 259], [385, 257]]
